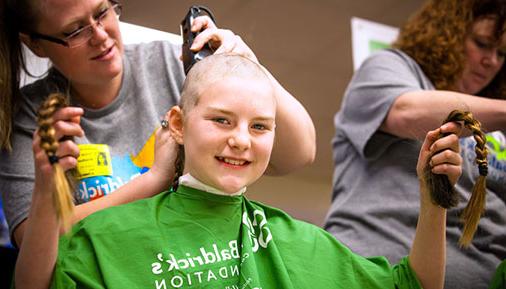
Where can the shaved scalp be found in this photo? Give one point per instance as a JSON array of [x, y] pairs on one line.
[[218, 67]]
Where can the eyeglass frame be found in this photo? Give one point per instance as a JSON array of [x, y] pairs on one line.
[[116, 8]]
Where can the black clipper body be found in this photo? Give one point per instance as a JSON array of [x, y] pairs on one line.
[[190, 57]]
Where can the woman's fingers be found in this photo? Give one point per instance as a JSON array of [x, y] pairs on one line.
[[68, 113], [223, 41], [202, 22], [65, 124], [68, 152], [66, 128], [216, 37], [67, 162]]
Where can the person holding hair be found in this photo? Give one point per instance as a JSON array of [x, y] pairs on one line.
[[204, 233], [117, 95], [449, 55]]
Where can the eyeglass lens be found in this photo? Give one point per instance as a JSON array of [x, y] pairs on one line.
[[84, 34]]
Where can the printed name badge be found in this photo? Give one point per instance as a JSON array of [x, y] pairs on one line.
[[94, 160]]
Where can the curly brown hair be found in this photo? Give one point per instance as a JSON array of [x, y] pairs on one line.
[[434, 37]]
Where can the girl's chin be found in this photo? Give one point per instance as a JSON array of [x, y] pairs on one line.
[[232, 188]]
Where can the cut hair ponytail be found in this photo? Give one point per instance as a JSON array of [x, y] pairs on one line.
[[62, 196], [443, 193]]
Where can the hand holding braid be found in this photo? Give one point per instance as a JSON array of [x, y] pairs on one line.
[[62, 197], [443, 193]]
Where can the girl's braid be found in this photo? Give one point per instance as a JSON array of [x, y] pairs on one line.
[[62, 197], [179, 166], [443, 193]]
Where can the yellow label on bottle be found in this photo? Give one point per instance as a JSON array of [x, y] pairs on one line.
[[94, 160]]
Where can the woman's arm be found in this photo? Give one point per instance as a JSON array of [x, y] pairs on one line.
[[154, 181], [37, 236], [157, 179], [414, 113], [428, 252], [38, 251], [295, 143]]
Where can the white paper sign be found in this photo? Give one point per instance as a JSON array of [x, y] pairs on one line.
[[369, 36]]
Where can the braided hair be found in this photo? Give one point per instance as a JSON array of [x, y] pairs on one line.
[[62, 198], [443, 193], [179, 166]]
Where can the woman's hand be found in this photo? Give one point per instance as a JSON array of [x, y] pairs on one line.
[[66, 124], [165, 156], [222, 40]]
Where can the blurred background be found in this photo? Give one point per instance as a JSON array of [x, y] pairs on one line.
[[307, 46]]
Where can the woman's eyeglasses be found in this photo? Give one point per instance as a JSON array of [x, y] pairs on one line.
[[82, 35]]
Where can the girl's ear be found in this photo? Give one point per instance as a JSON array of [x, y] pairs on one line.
[[175, 116], [33, 45]]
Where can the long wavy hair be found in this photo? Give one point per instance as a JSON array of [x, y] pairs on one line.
[[435, 36], [15, 16]]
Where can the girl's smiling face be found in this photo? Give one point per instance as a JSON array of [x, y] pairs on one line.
[[229, 134]]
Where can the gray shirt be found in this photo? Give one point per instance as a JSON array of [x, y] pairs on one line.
[[151, 84], [376, 197]]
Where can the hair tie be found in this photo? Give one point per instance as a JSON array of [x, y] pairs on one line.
[[483, 169], [53, 159]]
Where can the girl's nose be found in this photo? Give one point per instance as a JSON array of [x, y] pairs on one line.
[[240, 139]]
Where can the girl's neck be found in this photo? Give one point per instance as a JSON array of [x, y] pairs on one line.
[[189, 181], [97, 96]]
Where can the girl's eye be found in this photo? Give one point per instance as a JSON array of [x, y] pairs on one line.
[[221, 120], [259, 126]]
